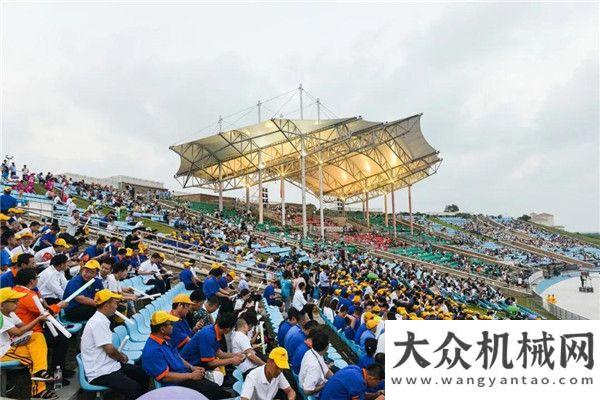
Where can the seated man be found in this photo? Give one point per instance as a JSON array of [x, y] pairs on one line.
[[103, 363], [297, 335], [314, 372], [306, 346], [351, 383], [263, 383], [293, 317], [162, 361], [240, 343], [205, 347], [52, 281], [24, 260], [188, 276], [152, 274], [27, 311], [82, 307], [18, 342], [182, 333], [203, 315]]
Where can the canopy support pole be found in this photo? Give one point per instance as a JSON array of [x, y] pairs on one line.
[[260, 188], [258, 105], [220, 189], [367, 209], [282, 195], [247, 197], [410, 209], [321, 200], [393, 193], [301, 107], [318, 110], [303, 172], [385, 209]]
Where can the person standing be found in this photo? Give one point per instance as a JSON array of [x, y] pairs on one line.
[[103, 363]]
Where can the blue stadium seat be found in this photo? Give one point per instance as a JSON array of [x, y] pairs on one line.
[[84, 384]]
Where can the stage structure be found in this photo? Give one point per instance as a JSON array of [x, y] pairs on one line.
[[347, 160]]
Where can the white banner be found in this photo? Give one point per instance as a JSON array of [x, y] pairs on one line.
[[509, 359]]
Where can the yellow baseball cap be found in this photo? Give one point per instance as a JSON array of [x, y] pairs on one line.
[[128, 252], [182, 298], [10, 294], [4, 217], [371, 324], [160, 317], [8, 189], [368, 315], [187, 264], [92, 264], [61, 242], [102, 296], [376, 309], [280, 356], [15, 210], [215, 265], [161, 255], [231, 274]]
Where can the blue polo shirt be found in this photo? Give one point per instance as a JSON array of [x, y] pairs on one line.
[[7, 279], [93, 251], [366, 334], [186, 277], [48, 237], [365, 361], [268, 293], [210, 287], [203, 346], [223, 282], [298, 356], [359, 332], [293, 339], [5, 258], [284, 328], [159, 358], [181, 333], [339, 322], [6, 202], [75, 284], [346, 384]]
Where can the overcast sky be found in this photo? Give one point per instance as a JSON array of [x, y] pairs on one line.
[[509, 92]]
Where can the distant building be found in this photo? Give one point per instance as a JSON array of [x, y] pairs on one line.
[[542, 219], [120, 182]]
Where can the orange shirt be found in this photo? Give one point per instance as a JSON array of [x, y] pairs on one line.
[[27, 311]]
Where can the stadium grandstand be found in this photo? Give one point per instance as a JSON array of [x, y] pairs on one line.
[[111, 292]]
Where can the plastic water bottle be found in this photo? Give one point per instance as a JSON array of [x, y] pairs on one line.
[[57, 378]]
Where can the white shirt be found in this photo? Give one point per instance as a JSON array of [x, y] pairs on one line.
[[299, 300], [148, 266], [257, 387], [328, 313], [381, 344], [240, 342], [72, 225], [71, 206], [312, 370], [9, 322], [52, 283], [44, 256], [243, 284], [239, 303], [113, 284], [95, 335], [20, 249]]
